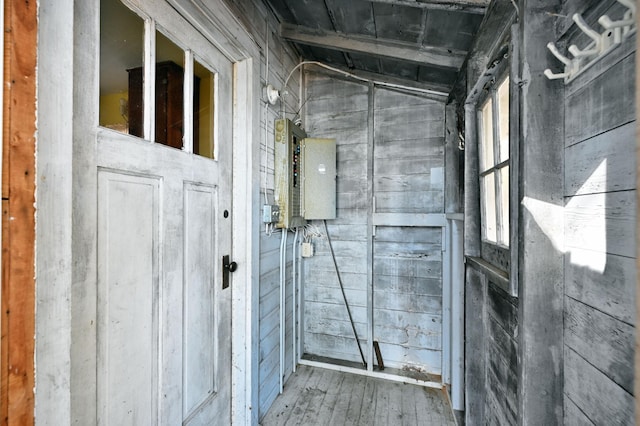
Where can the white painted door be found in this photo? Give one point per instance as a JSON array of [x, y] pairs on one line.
[[163, 317]]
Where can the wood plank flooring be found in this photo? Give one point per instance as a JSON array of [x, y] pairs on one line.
[[318, 396]]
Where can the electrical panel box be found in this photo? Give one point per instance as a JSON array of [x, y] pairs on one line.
[[288, 181], [318, 178]]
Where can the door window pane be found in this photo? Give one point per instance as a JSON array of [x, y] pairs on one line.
[[204, 111], [121, 48], [169, 92]]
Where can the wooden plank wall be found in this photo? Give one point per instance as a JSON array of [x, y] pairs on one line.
[[408, 177], [282, 59], [600, 265], [339, 109], [18, 215], [491, 374], [261, 24], [491, 314]]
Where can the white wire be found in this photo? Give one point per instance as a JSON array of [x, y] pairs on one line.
[[293, 301], [348, 74], [283, 248], [266, 118]]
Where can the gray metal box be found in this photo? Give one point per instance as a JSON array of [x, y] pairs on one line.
[[318, 178]]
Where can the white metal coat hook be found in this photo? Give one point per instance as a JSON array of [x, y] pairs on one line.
[[624, 26], [594, 48], [601, 43], [566, 61]]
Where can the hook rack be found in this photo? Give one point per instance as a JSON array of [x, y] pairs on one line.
[[601, 43]]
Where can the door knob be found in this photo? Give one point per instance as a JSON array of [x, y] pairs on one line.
[[231, 266], [227, 266]]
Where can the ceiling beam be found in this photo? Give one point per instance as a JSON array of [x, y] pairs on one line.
[[423, 55], [469, 6]]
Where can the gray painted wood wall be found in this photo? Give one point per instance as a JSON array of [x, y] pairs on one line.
[[598, 248], [390, 154], [600, 218], [282, 59]]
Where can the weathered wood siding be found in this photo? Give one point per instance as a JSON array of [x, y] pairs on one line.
[[600, 217], [492, 351], [390, 153], [408, 177], [339, 109], [491, 314], [281, 60]]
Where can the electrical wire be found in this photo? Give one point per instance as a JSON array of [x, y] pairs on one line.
[[367, 80], [344, 295], [293, 301], [266, 119], [283, 264]]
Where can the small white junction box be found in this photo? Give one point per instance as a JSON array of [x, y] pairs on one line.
[[307, 250]]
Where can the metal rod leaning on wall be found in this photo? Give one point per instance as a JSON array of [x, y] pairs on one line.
[[344, 295]]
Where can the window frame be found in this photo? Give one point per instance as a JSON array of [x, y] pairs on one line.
[[151, 28], [497, 164]]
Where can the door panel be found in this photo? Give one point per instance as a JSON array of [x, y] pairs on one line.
[[127, 298], [199, 297]]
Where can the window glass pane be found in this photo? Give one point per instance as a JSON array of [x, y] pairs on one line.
[[204, 108], [504, 200], [489, 207], [486, 136], [169, 92], [503, 119], [121, 48]]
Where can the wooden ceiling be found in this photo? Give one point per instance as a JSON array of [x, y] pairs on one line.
[[419, 42]]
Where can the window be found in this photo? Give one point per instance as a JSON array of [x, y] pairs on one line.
[[493, 123], [165, 116]]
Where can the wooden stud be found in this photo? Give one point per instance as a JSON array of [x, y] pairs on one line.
[[540, 290], [18, 284], [637, 347], [371, 208]]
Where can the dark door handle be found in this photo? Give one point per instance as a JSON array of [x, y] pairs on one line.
[[231, 266], [227, 267]]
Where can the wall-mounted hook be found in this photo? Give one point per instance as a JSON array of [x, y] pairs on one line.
[[629, 4], [608, 24], [601, 43], [568, 64], [591, 33], [625, 24], [552, 47], [551, 76]]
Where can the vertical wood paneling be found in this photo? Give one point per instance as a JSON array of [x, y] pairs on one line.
[[501, 325]]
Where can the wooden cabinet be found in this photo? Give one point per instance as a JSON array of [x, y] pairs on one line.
[[169, 104]]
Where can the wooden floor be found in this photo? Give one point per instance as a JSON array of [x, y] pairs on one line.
[[317, 396]]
